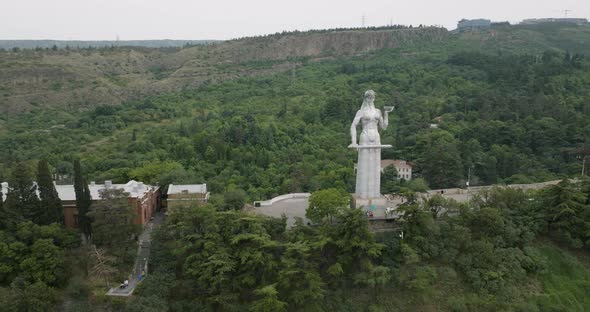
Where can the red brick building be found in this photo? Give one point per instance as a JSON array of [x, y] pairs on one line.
[[144, 199]]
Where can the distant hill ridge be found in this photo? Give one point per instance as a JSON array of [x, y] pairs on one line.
[[79, 78], [62, 44], [85, 78]]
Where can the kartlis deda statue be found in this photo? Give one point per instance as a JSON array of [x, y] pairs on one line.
[[368, 176]]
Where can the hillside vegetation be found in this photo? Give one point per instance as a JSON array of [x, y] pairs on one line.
[[80, 44], [258, 117], [81, 78], [485, 257], [90, 77], [511, 118]]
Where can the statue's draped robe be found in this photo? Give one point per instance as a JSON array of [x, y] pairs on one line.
[[368, 176]]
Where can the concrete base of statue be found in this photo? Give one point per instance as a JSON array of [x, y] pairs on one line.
[[368, 203]]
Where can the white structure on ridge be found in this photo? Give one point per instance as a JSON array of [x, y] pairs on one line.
[[368, 175], [403, 168]]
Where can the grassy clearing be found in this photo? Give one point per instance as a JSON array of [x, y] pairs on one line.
[[566, 282]]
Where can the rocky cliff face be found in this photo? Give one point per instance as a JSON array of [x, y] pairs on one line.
[[333, 43], [85, 78]]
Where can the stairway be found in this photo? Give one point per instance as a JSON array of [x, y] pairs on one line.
[[140, 268], [141, 262]]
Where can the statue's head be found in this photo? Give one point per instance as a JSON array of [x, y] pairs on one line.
[[370, 95]]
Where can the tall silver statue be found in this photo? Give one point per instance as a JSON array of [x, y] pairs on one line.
[[368, 175]]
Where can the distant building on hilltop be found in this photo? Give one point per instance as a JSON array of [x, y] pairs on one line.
[[499, 24], [186, 195], [404, 169], [535, 21], [474, 24], [144, 199]]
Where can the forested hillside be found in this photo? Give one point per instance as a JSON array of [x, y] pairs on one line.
[[509, 117], [259, 117], [491, 256], [86, 78]]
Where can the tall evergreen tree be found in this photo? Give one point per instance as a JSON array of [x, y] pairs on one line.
[[50, 202], [567, 214], [83, 200], [390, 181], [3, 213], [112, 220], [22, 202], [440, 160]]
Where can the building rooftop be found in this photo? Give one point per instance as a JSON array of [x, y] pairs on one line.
[[398, 163], [66, 192], [474, 23], [187, 188]]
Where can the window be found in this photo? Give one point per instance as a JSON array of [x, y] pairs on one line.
[[76, 220]]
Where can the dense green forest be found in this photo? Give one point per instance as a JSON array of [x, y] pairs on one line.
[[498, 254], [501, 112], [510, 118], [507, 250]]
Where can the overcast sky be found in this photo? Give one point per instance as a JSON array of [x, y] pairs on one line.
[[222, 19]]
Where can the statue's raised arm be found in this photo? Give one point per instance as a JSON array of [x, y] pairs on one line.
[[384, 121]]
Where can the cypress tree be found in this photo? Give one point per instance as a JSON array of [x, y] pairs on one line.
[[83, 200], [3, 214], [22, 202], [50, 202]]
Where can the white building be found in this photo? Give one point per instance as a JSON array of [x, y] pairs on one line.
[[474, 24], [404, 169], [181, 195]]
